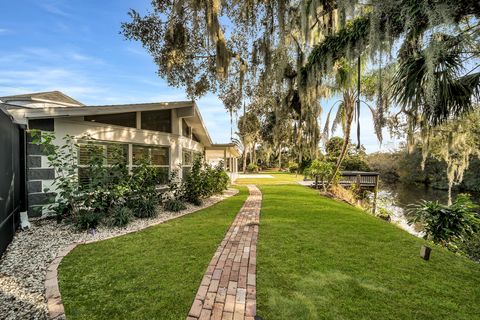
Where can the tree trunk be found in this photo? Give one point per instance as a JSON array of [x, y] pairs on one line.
[[349, 108], [245, 160], [280, 157]]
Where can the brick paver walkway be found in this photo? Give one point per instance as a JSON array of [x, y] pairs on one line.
[[228, 289]]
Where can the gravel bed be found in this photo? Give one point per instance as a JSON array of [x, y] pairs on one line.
[[23, 266]]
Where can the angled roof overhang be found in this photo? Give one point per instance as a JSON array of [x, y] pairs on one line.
[[185, 109]]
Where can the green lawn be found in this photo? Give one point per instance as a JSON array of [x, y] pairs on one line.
[[151, 274], [278, 178], [316, 259], [322, 259]]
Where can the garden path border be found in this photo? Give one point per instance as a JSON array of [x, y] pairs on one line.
[[55, 306]]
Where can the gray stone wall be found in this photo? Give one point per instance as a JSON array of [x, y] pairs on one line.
[[39, 177]]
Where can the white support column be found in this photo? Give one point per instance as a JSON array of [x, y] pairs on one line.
[[225, 159]]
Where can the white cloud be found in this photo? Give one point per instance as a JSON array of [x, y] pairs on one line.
[[54, 7]]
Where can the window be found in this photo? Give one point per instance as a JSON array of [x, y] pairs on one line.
[[108, 153], [187, 160], [128, 119], [158, 157], [158, 120]]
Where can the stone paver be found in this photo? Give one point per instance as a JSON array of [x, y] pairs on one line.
[[228, 288]]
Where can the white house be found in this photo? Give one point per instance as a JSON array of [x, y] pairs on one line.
[[171, 133]]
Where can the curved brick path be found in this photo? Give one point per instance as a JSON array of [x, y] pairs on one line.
[[228, 288]]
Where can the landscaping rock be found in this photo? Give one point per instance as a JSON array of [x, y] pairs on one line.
[[24, 265]]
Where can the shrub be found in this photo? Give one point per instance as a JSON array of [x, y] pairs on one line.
[[87, 219], [120, 216], [323, 170], [252, 167], [471, 247], [292, 167], [174, 205], [204, 181], [445, 225], [193, 183], [143, 197]]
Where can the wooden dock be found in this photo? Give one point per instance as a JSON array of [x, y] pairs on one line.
[[361, 179]]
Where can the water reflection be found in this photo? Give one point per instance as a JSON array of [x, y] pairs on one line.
[[397, 198]]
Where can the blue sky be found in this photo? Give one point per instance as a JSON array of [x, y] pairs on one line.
[[74, 46]]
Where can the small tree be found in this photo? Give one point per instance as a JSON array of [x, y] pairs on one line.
[[322, 170], [445, 225]]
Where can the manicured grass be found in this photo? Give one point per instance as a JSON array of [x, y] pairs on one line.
[[321, 259], [151, 274], [278, 178]]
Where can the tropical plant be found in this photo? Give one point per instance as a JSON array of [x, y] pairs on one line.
[[174, 205], [446, 225], [119, 216]]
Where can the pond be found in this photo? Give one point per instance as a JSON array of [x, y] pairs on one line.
[[397, 198]]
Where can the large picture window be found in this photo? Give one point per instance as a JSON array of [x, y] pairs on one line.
[[158, 120], [108, 153], [112, 153]]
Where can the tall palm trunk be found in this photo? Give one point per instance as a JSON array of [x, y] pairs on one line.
[[280, 157], [348, 105], [244, 159]]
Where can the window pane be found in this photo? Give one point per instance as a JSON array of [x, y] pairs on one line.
[[186, 171], [83, 176], [158, 120], [128, 119], [160, 156], [140, 153], [86, 152], [187, 157], [117, 153], [162, 175]]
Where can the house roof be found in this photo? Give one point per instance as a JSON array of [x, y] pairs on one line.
[[56, 97], [230, 147], [185, 109]]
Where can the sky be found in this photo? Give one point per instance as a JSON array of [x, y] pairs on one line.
[[75, 46]]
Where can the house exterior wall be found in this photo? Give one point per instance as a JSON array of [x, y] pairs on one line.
[[40, 175]]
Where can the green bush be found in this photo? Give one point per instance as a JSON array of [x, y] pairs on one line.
[[143, 197], [292, 167], [87, 219], [174, 205], [204, 181], [446, 225], [471, 247], [322, 170], [193, 183], [120, 216], [252, 167]]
